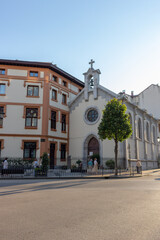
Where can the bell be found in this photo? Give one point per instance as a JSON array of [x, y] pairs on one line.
[[91, 83]]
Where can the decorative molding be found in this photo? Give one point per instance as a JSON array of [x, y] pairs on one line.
[[32, 140], [86, 112], [34, 82], [6, 80]]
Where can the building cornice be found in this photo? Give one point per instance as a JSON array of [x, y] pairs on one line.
[[48, 65]]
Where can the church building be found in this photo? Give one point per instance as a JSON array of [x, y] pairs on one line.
[[85, 116], [45, 109]]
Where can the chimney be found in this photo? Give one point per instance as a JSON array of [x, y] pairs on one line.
[[132, 93]]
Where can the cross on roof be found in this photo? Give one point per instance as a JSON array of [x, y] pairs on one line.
[[91, 62]]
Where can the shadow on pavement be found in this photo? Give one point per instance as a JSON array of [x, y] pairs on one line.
[[157, 179], [45, 187]]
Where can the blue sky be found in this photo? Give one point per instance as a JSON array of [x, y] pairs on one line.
[[122, 36]]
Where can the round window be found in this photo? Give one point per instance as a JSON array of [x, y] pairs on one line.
[[92, 115]]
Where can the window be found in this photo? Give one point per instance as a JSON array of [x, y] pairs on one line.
[[54, 94], [1, 119], [63, 151], [33, 91], [64, 99], [2, 71], [64, 83], [154, 134], [2, 89], [63, 123], [130, 119], [29, 150], [139, 129], [92, 115], [53, 120], [33, 74], [147, 131], [54, 78], [31, 117]]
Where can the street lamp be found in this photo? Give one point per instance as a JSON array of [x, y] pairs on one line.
[[158, 139]]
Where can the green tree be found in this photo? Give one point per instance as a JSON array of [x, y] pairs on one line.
[[115, 124], [45, 162]]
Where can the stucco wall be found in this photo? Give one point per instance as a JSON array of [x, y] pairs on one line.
[[12, 147]]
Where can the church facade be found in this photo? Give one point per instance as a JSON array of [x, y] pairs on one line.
[[47, 110], [85, 116]]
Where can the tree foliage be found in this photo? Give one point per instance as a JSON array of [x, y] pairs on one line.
[[115, 124], [45, 162]]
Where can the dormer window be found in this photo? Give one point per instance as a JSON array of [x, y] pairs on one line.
[[33, 74]]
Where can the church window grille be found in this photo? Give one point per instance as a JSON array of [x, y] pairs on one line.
[[92, 115]]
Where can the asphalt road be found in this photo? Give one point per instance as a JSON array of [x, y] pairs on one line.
[[117, 209]]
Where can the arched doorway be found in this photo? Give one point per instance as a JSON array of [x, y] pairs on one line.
[[93, 146]]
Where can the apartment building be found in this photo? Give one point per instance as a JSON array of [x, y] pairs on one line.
[[34, 98]]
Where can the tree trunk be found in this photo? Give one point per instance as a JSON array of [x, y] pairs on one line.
[[116, 157]]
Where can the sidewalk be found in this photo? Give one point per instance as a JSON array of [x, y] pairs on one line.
[[125, 174]]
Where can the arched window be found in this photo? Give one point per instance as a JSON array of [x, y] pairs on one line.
[[139, 129], [154, 134], [130, 119], [147, 131]]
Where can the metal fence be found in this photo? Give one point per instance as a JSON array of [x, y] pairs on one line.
[[18, 168]]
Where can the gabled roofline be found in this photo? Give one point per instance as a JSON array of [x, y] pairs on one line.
[[48, 65], [143, 90]]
